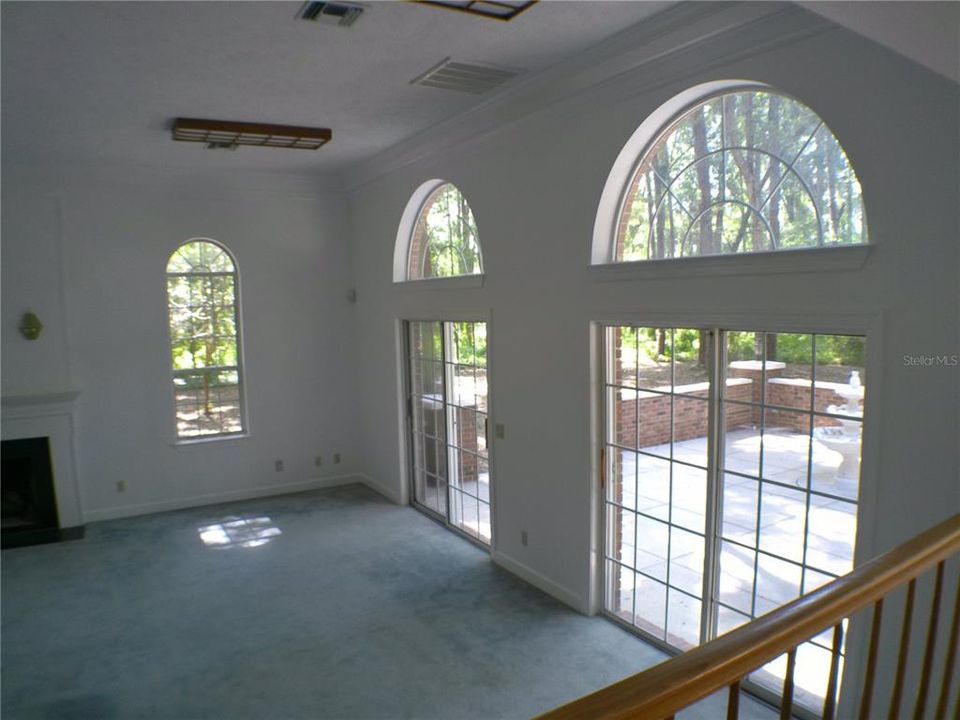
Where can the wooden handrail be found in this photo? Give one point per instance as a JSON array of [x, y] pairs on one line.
[[669, 687]]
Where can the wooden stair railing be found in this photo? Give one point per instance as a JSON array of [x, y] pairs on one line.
[[677, 683]]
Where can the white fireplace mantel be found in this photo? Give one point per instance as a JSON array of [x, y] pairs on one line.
[[50, 415]]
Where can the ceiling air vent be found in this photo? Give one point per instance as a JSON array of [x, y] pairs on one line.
[[465, 77], [331, 13]]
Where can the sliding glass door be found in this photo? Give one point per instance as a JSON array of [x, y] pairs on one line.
[[732, 476], [447, 407]]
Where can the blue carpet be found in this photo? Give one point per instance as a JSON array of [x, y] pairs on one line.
[[328, 604]]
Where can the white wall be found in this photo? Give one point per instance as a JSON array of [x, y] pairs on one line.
[[87, 250], [534, 184]]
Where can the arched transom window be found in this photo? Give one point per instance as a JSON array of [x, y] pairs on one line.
[[203, 307], [444, 241], [742, 171]]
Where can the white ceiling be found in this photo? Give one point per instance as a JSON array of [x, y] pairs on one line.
[[100, 81]]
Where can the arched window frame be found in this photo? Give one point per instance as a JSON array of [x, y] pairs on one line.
[[243, 430], [403, 245], [604, 264]]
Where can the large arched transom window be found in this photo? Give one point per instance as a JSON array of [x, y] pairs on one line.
[[204, 311], [739, 170], [438, 235]]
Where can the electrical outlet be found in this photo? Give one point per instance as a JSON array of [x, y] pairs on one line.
[[278, 466], [121, 485], [499, 431], [336, 458], [318, 460], [523, 537]]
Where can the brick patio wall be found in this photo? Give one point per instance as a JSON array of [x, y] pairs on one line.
[[796, 393], [467, 421], [689, 417]]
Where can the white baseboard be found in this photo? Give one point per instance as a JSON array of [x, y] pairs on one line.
[[222, 497], [389, 493], [540, 581]]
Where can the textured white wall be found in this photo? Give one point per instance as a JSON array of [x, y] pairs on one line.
[[116, 231]]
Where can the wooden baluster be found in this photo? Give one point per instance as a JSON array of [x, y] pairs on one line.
[[786, 706], [733, 701], [931, 645], [830, 702], [951, 659], [871, 661], [904, 651]]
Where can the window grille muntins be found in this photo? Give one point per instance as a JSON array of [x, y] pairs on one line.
[[445, 240], [203, 309], [742, 171], [732, 481]]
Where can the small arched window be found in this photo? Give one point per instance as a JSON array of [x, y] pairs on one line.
[[204, 311], [439, 235], [739, 170]]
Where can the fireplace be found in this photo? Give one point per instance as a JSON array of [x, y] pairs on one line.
[[28, 503], [39, 497]]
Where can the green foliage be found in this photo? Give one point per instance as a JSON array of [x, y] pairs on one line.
[[841, 350], [470, 343], [741, 345], [452, 245], [200, 256], [201, 300], [683, 344]]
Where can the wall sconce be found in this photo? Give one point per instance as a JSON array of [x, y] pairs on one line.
[[30, 326]]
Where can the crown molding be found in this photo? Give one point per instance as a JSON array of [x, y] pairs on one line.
[[206, 182], [686, 39]]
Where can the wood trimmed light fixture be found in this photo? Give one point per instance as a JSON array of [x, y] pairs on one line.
[[493, 9], [228, 135]]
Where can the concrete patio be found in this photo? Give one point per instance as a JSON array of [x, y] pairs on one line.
[[763, 509]]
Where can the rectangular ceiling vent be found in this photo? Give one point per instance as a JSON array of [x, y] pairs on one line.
[[331, 13], [466, 77]]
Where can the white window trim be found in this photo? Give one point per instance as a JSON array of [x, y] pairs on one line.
[[442, 283], [401, 247], [204, 439], [799, 260]]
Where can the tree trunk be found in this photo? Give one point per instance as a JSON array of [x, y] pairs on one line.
[[660, 166], [651, 248], [706, 245], [771, 346], [832, 191], [776, 173]]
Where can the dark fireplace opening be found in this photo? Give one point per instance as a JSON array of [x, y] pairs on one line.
[[28, 502]]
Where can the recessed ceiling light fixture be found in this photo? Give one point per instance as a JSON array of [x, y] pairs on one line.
[[493, 9], [228, 135], [465, 77]]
